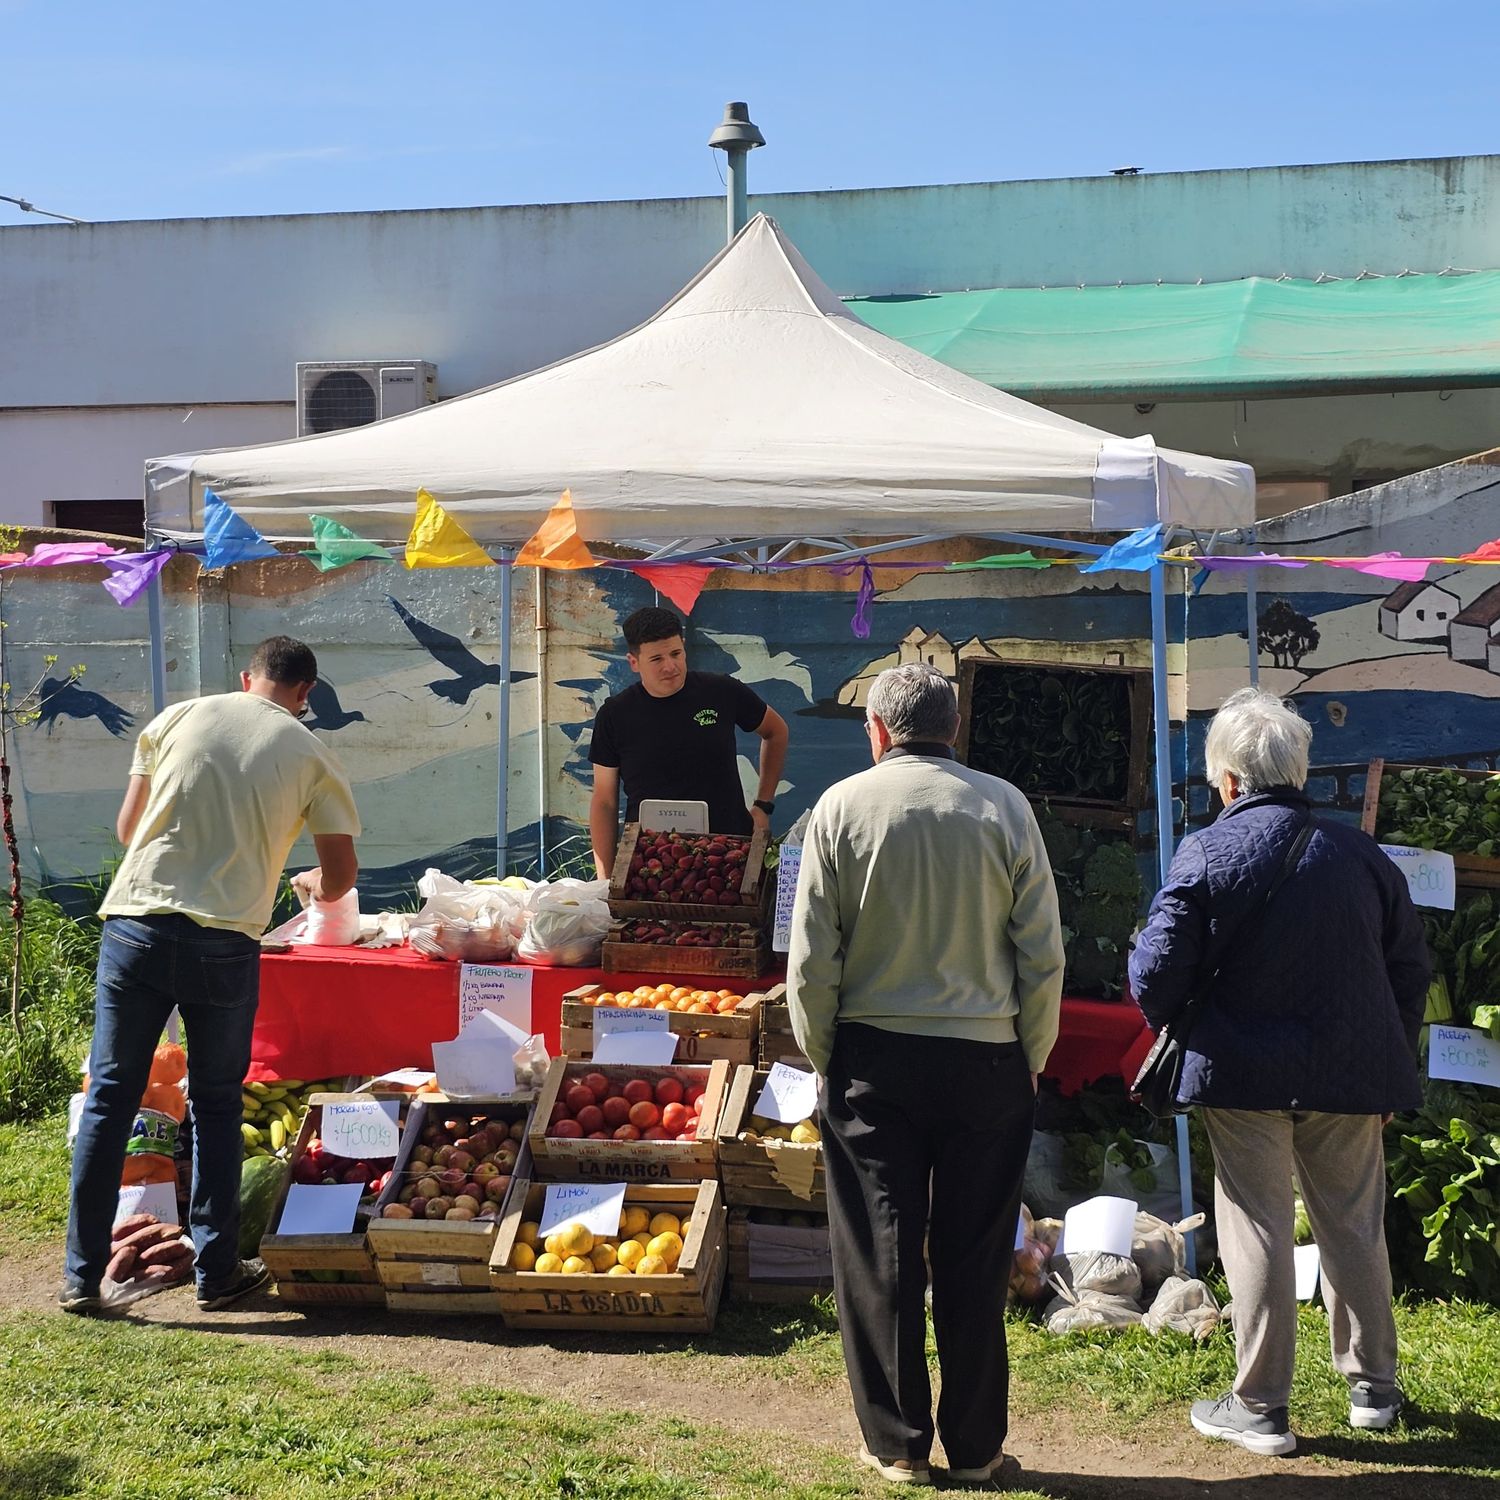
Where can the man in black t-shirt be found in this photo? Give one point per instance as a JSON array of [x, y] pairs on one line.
[[672, 735]]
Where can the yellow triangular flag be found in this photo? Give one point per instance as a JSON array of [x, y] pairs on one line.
[[438, 541], [557, 543]]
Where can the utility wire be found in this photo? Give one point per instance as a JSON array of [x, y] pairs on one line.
[[31, 208]]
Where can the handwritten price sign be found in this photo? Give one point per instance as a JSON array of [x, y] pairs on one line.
[[1464, 1055], [1429, 874]]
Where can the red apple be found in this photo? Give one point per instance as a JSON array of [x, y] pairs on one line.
[[566, 1130], [598, 1084], [668, 1090], [597, 1135], [627, 1133], [591, 1118], [637, 1090], [616, 1111], [560, 1111], [693, 1093], [579, 1096], [496, 1188], [655, 1133]]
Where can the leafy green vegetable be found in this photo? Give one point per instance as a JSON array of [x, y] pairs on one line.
[[1099, 894], [1465, 948], [1432, 807]]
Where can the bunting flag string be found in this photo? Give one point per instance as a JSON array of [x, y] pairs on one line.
[[1137, 553], [557, 543], [1004, 560], [130, 576], [335, 546], [228, 537], [438, 541], [680, 582]]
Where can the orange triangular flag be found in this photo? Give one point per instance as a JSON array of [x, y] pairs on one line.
[[680, 582], [557, 543], [438, 541]]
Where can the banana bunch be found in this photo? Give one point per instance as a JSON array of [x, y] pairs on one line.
[[273, 1115]]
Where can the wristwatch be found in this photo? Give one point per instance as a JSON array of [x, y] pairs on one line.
[[766, 807]]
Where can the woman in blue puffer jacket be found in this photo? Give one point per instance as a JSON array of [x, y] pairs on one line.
[[1303, 1046]]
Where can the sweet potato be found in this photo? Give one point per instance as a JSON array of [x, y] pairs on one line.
[[128, 1225], [149, 1234], [177, 1271], [121, 1265], [165, 1253]]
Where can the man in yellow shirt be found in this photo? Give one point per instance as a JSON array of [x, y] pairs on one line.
[[220, 787]]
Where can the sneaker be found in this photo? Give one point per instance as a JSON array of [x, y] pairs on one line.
[[1373, 1407], [75, 1297], [897, 1470], [248, 1276], [1266, 1433], [1002, 1469]]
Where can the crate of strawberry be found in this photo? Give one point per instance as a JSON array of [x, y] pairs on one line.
[[689, 876]]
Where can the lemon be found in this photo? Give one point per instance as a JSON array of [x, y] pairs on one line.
[[633, 1221], [618, 1271], [652, 1265], [529, 1233], [630, 1254], [806, 1134], [667, 1246], [574, 1239], [666, 1224], [642, 1239], [553, 1245], [548, 1264], [603, 1257], [577, 1265], [522, 1257]]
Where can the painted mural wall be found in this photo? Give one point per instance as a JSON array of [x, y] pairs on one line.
[[410, 686]]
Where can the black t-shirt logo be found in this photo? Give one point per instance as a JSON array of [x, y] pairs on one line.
[[706, 717]]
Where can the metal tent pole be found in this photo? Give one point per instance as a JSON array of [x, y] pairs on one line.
[[1160, 712], [158, 644], [502, 719], [1252, 624]]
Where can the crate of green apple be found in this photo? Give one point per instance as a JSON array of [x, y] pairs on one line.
[[689, 876], [323, 1269], [436, 1218]]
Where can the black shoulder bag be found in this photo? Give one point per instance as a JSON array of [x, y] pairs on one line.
[[1157, 1085]]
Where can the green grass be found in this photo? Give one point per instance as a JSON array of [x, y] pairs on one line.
[[34, 1167], [130, 1412]]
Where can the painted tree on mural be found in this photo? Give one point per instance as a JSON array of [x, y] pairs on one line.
[[1286, 634]]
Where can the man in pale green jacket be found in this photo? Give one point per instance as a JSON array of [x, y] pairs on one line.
[[925, 980]]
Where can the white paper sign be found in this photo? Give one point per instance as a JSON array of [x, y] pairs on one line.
[[1306, 1263], [1105, 1226], [361, 1128], [786, 896], [790, 1095], [320, 1208], [1463, 1054], [1429, 874], [158, 1198], [674, 817], [405, 1078], [651, 1049], [595, 1205], [474, 1065], [608, 1020], [504, 989]]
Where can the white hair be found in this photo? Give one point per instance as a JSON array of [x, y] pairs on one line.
[[915, 702], [1260, 739]]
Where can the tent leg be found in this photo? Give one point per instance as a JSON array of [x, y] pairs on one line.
[[1252, 623], [158, 646], [502, 723], [1163, 728]]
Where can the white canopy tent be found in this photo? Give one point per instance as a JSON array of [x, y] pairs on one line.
[[753, 405]]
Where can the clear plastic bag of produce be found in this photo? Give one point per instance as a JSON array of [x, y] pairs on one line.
[[147, 1255], [1144, 1171], [566, 921], [1184, 1306], [464, 922], [1160, 1248], [1060, 1171], [1076, 1312], [1028, 1273], [531, 1064], [1098, 1271]]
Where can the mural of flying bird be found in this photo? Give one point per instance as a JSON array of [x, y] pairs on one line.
[[61, 699], [327, 712], [448, 651]]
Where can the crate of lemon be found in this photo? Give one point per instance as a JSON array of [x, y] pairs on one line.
[[665, 1266], [766, 1163]]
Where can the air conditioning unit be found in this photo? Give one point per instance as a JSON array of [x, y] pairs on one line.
[[339, 393]]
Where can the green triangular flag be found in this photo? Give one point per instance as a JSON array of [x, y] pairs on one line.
[[1002, 560], [335, 546]]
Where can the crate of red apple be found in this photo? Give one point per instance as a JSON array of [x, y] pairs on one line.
[[689, 876], [441, 1205], [622, 1122]]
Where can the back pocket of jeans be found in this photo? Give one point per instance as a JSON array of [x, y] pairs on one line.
[[229, 979]]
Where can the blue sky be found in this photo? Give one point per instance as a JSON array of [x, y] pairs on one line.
[[163, 110]]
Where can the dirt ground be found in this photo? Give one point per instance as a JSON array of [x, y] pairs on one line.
[[1164, 1461]]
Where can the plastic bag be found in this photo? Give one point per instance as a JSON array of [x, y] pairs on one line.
[[1184, 1306], [1094, 1271], [1074, 1312], [1028, 1273], [1056, 1178], [1160, 1250], [1154, 1187], [333, 924], [531, 1065], [465, 922], [566, 921]]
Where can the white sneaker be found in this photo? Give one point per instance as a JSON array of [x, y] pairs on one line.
[[1265, 1433], [898, 1470], [1373, 1408]]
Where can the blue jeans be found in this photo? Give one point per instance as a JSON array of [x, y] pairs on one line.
[[147, 965]]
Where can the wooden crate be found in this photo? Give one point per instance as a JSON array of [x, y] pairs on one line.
[[777, 1041], [320, 1270], [751, 898], [732, 1036], [437, 1265], [684, 1301], [747, 959], [1468, 869], [1096, 812], [748, 1170], [745, 1286], [564, 1160]]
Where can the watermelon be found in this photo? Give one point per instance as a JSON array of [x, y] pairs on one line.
[[261, 1179]]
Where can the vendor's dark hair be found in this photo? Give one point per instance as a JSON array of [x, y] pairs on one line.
[[652, 624], [285, 661]]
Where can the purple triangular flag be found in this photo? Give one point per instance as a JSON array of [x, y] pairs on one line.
[[131, 575]]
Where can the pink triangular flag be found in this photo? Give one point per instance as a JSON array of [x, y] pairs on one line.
[[1387, 565]]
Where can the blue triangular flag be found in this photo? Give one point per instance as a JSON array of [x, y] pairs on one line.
[[1136, 553], [228, 537]]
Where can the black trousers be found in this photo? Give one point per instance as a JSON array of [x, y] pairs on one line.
[[925, 1137]]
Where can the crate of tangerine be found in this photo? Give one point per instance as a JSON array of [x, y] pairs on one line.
[[628, 1123], [707, 1023], [663, 1265]]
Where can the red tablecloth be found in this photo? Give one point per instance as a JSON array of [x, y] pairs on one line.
[[329, 1011]]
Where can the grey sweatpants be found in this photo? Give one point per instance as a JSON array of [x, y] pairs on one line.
[[1340, 1166]]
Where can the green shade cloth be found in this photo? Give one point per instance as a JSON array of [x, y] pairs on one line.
[[1227, 338], [335, 546], [1001, 560]]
